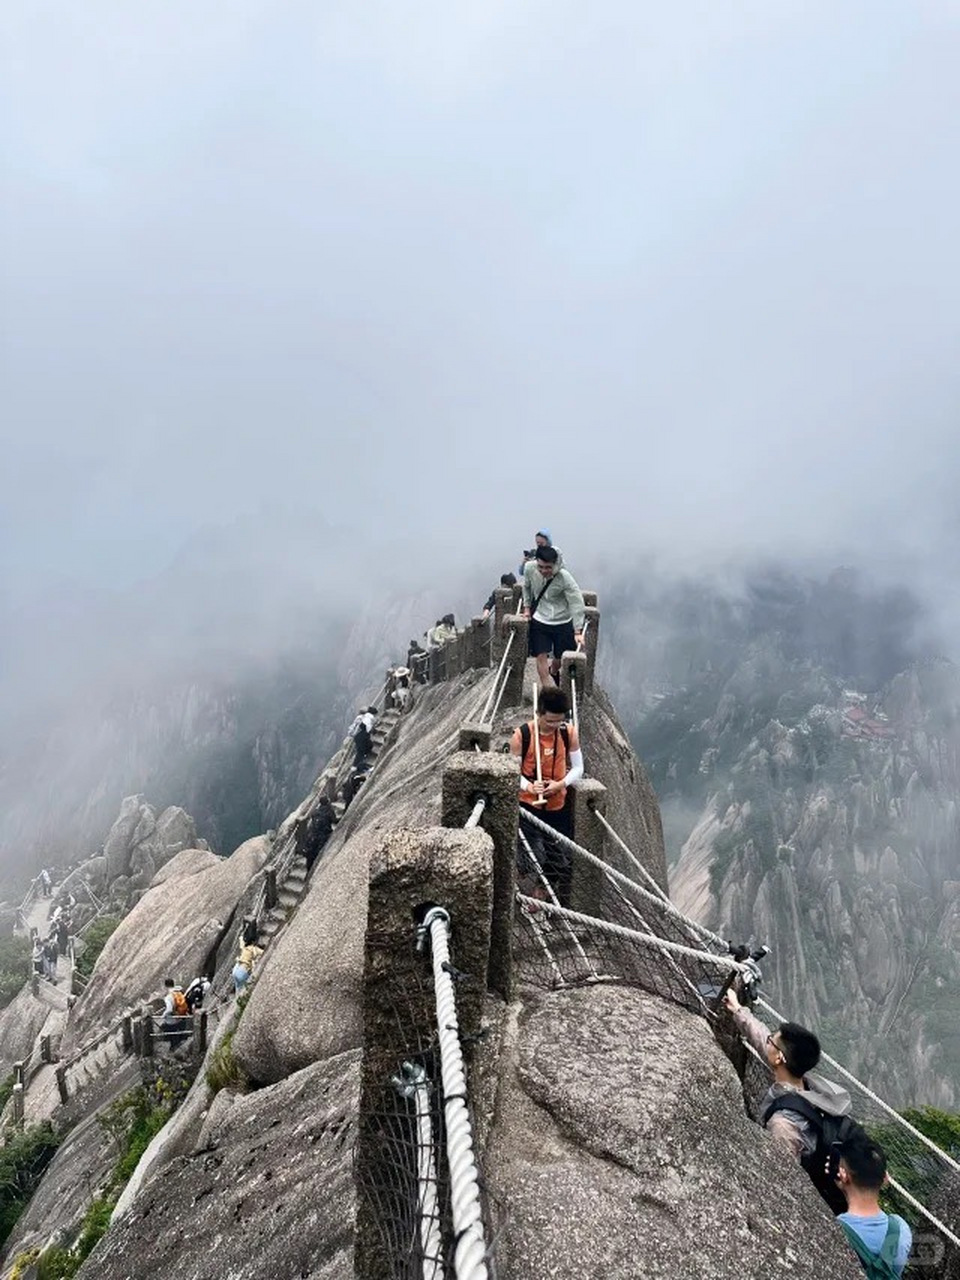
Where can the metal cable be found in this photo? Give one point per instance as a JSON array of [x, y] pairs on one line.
[[470, 1251], [503, 689], [556, 902], [414, 1084], [693, 929], [920, 1208]]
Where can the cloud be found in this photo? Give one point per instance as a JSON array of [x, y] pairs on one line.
[[675, 278]]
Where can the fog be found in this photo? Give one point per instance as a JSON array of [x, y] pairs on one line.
[[396, 285]]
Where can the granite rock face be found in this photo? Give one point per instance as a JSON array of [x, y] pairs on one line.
[[140, 841], [267, 1191], [169, 933], [624, 1151], [841, 851]]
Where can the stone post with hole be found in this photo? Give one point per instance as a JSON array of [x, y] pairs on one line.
[[573, 672], [588, 883], [591, 622], [519, 629], [410, 871], [502, 609], [468, 775]]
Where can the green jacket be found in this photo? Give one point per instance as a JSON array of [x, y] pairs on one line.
[[561, 602]]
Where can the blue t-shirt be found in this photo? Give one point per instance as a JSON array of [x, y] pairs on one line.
[[872, 1229]]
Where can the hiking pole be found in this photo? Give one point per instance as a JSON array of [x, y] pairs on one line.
[[541, 799]]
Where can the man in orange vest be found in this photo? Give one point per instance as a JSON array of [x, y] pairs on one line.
[[561, 766]]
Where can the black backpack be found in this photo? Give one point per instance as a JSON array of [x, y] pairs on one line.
[[525, 737], [882, 1265], [823, 1162]]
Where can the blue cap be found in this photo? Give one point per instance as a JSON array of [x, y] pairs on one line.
[[545, 533]]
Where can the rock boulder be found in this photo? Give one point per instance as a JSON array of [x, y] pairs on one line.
[[170, 932], [267, 1192], [627, 1153]]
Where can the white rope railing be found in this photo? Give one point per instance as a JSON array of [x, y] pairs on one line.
[[548, 888], [663, 903], [497, 678], [724, 963], [470, 1251], [477, 812], [923, 1210], [709, 936], [877, 1101]]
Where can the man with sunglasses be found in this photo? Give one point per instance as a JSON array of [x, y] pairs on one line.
[[791, 1052]]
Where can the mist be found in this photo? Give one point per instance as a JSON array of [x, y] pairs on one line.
[[307, 310]]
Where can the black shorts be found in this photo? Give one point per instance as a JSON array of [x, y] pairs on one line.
[[551, 637]]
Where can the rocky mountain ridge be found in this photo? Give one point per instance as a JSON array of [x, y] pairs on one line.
[[830, 830]]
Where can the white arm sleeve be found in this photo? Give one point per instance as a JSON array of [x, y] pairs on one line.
[[575, 772]]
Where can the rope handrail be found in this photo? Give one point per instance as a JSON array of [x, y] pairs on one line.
[[708, 936], [477, 812], [923, 1210], [497, 677], [878, 1101], [95, 1042], [565, 842], [724, 963], [29, 895], [470, 1251], [551, 894]]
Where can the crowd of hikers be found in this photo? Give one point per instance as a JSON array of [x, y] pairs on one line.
[[48, 949]]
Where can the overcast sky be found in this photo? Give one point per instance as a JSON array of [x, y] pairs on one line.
[[684, 274]]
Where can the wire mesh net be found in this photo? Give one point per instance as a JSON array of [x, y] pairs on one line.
[[402, 1174], [562, 933], [578, 921]]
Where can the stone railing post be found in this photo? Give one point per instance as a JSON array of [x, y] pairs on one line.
[[126, 1033], [590, 599], [146, 1032], [18, 1105], [466, 776], [519, 628], [477, 638], [61, 1078], [591, 618], [502, 609], [435, 666], [200, 1031], [573, 668], [35, 983], [587, 882], [473, 735], [410, 871], [270, 896]]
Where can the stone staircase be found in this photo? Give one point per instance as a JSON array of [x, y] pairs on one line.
[[289, 894]]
